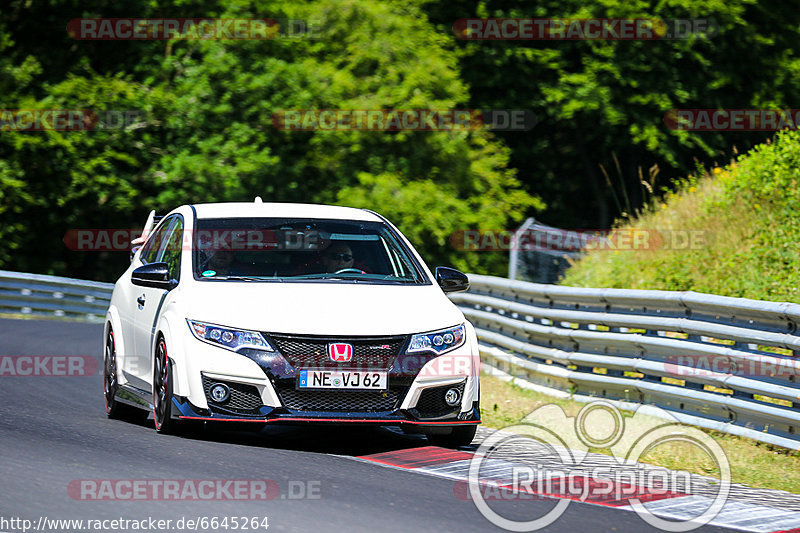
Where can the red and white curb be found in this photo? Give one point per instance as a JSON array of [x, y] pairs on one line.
[[496, 477]]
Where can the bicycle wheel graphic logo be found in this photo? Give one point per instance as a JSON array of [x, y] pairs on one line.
[[571, 473]]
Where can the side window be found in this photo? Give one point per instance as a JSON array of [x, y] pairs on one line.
[[172, 251], [151, 249]]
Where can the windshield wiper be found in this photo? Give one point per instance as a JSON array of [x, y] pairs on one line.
[[333, 275]]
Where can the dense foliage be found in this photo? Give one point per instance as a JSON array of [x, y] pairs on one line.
[[597, 99], [205, 132]]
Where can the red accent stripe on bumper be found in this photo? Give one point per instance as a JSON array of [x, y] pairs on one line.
[[388, 422]]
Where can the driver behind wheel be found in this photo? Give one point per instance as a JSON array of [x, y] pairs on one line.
[[221, 262], [336, 257]]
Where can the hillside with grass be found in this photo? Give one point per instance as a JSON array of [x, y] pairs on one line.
[[734, 231]]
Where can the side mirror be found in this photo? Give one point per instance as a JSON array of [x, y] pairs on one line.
[[154, 275], [451, 280]]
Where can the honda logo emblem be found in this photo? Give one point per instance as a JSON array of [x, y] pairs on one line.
[[340, 352]]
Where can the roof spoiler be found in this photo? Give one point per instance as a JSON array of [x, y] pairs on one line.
[[148, 227]]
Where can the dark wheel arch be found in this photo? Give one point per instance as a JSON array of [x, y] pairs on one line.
[[114, 408], [163, 383]]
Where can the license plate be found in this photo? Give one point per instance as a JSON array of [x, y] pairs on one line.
[[342, 379]]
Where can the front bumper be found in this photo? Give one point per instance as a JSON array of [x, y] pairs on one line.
[[185, 410], [263, 389]]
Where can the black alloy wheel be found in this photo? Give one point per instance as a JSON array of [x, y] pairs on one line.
[[162, 396], [114, 408]]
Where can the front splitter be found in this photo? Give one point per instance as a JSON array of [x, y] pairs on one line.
[[270, 415]]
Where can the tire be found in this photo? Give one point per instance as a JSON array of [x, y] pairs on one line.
[[162, 396], [460, 436], [115, 409]]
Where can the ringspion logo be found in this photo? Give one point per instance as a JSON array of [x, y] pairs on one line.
[[599, 424]]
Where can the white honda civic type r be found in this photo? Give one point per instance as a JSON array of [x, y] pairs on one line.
[[289, 313]]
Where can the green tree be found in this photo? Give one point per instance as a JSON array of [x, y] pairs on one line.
[[597, 99], [205, 132]]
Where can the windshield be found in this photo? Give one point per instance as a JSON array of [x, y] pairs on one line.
[[301, 249]]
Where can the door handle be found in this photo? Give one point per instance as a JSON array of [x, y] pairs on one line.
[[140, 301]]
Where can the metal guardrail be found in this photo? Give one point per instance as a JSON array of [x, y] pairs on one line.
[[538, 253], [53, 297], [729, 364]]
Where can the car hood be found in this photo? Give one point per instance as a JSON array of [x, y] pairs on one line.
[[322, 308]]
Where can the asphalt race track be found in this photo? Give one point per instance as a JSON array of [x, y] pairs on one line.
[[54, 433]]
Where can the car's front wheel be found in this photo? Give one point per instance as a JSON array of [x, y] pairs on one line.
[[162, 395], [115, 409]]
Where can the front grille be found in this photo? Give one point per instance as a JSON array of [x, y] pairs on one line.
[[431, 402], [375, 353], [243, 399], [324, 400]]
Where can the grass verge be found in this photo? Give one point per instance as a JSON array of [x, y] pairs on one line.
[[732, 232], [752, 463]]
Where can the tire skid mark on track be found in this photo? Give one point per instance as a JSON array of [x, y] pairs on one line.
[[455, 465]]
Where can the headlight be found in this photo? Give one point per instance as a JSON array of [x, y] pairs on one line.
[[232, 339], [438, 342]]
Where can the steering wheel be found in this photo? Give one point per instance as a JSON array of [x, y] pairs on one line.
[[353, 270]]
